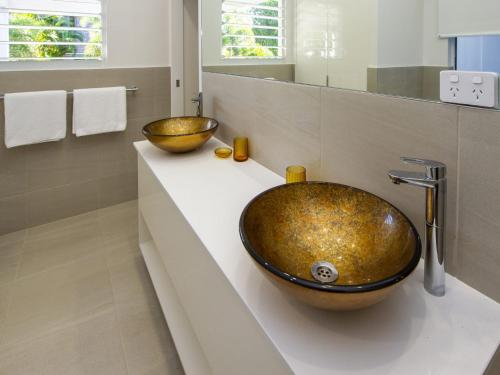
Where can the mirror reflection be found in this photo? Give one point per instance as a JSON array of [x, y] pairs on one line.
[[394, 47]]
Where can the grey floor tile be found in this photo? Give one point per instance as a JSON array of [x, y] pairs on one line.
[[89, 348], [83, 302], [60, 244], [10, 255], [147, 343], [149, 348], [57, 298], [119, 221], [60, 226], [4, 302], [130, 279]]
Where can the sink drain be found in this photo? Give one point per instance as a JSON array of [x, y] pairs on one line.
[[324, 272]]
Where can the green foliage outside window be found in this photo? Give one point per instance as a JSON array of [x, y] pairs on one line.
[[249, 38], [61, 36]]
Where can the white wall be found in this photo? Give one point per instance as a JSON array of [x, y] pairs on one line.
[[435, 49], [400, 33], [212, 44], [138, 35], [408, 34]]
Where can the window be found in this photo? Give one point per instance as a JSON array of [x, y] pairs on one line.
[[253, 29], [50, 30]]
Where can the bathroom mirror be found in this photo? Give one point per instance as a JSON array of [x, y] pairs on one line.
[[393, 47]]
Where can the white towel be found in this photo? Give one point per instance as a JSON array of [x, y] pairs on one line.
[[100, 110], [34, 117]]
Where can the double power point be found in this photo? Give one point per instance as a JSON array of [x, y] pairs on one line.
[[471, 88]]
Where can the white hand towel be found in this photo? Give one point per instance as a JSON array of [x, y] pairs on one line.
[[100, 110], [34, 117]]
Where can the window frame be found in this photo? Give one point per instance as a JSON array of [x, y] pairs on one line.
[[70, 62], [282, 33]]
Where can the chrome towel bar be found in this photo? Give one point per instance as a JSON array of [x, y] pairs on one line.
[[129, 89]]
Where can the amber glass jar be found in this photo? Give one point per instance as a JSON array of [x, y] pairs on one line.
[[240, 149], [295, 173]]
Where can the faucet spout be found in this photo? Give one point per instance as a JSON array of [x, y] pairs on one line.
[[411, 178], [435, 183]]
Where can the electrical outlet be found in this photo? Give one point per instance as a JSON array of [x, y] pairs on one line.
[[471, 88]]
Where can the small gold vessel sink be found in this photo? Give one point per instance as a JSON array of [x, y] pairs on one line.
[[331, 246], [180, 134]]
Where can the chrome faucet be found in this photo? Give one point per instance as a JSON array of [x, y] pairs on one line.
[[434, 181], [198, 100]]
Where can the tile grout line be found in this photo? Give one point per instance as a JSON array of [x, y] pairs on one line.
[[115, 312], [53, 268], [51, 330]]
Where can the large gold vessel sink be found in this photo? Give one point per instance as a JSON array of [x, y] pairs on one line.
[[331, 246], [180, 134]]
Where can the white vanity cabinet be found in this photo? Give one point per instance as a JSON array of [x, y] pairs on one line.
[[227, 318]]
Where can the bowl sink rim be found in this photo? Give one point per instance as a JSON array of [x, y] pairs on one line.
[[332, 288], [147, 132]]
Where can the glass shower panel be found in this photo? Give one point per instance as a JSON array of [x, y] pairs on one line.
[[351, 42], [311, 32]]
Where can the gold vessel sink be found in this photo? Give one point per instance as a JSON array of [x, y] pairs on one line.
[[180, 134], [331, 246]]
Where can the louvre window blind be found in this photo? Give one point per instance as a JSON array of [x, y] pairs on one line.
[[253, 29], [469, 17], [50, 29]]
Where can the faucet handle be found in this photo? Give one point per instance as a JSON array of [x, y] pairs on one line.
[[434, 169]]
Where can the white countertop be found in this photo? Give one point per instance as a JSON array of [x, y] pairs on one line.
[[411, 332]]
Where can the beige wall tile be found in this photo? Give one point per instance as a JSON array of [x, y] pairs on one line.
[[35, 180], [14, 215], [282, 120], [363, 136], [118, 188], [161, 81], [52, 204], [479, 204], [398, 81], [161, 106], [13, 177], [46, 166], [57, 298]]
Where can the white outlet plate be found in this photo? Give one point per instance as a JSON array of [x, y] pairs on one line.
[[471, 88]]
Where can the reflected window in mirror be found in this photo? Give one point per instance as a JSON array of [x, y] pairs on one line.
[[390, 47], [479, 53], [253, 29]]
